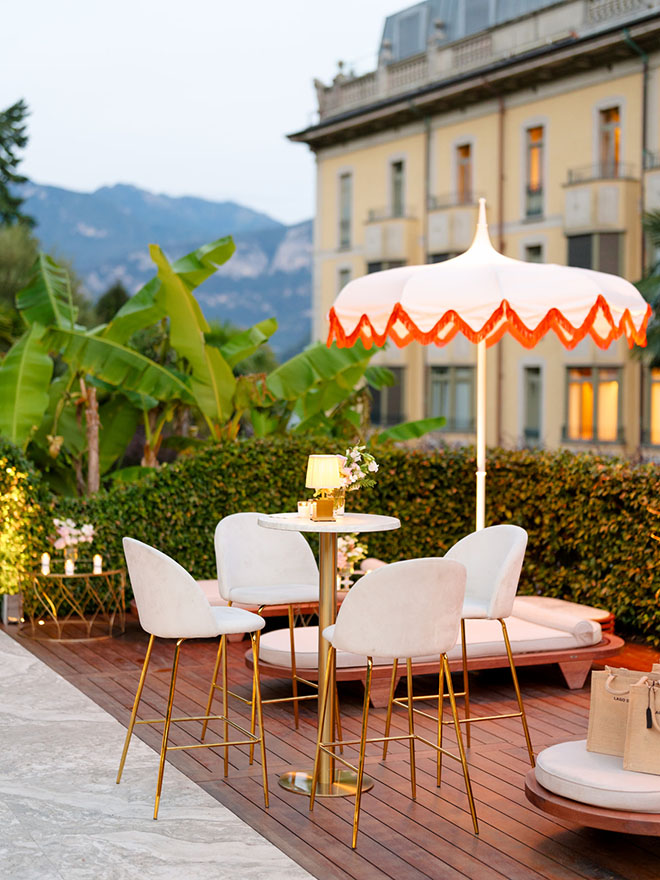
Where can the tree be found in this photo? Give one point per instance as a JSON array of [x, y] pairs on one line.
[[649, 287], [110, 303], [13, 137]]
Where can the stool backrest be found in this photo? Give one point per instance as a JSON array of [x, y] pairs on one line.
[[406, 609], [170, 603], [248, 555], [493, 558]]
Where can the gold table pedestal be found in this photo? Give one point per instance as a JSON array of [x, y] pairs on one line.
[[344, 784], [332, 782]]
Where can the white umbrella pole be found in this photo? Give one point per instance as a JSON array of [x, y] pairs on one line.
[[481, 435]]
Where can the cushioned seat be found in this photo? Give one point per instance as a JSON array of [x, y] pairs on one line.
[[569, 770]]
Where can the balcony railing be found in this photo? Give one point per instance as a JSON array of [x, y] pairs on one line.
[[452, 200], [534, 202], [601, 171], [377, 215], [594, 441], [651, 160]]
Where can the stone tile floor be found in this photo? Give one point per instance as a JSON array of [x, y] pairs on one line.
[[62, 817]]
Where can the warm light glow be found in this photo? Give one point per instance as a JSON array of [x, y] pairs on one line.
[[45, 563], [655, 407], [69, 566], [580, 407], [323, 472], [98, 563], [608, 407]]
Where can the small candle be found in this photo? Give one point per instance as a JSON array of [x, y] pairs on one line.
[[45, 563], [69, 566], [98, 563], [303, 509]]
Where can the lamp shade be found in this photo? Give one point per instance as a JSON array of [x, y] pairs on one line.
[[323, 472]]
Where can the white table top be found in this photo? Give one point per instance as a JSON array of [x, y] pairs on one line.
[[350, 522]]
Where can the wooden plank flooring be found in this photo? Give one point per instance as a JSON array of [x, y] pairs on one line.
[[400, 839]]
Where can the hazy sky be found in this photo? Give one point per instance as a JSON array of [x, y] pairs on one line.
[[192, 97]]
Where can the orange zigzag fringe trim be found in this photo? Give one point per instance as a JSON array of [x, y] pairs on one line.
[[503, 318]]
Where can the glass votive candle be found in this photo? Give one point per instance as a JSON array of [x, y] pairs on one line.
[[303, 509], [45, 563], [69, 566], [98, 564]]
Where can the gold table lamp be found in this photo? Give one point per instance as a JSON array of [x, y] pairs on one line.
[[323, 475]]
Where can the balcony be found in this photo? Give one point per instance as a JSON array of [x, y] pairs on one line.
[[601, 197], [451, 222], [390, 234], [533, 203]]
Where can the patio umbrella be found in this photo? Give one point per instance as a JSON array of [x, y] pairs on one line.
[[483, 295]]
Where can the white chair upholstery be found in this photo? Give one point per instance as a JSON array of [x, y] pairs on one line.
[[262, 566], [493, 558], [406, 609], [172, 605], [258, 566]]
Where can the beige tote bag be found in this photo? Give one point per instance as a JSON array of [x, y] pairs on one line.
[[641, 750], [608, 710]]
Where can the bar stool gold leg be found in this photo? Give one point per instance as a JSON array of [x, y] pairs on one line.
[[388, 720], [363, 739], [166, 729], [459, 740], [225, 702], [136, 703], [516, 687], [294, 680], [340, 735], [441, 702], [256, 684], [253, 706], [324, 709], [411, 729], [214, 680], [466, 683]]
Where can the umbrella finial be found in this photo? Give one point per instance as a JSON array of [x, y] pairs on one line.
[[482, 213], [481, 243]]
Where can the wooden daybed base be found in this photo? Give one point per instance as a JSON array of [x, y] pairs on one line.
[[575, 665], [624, 821]]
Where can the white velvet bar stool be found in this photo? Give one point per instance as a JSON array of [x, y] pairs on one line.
[[171, 605], [493, 558], [403, 610], [263, 567]]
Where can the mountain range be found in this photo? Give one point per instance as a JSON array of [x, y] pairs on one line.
[[105, 235]]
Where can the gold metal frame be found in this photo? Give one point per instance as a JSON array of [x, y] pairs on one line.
[[252, 740], [468, 719], [327, 748]]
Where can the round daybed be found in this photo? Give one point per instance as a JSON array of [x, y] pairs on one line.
[[594, 790]]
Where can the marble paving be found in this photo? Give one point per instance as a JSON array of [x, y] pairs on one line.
[[62, 817]]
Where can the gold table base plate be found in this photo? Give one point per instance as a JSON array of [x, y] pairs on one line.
[[344, 785]]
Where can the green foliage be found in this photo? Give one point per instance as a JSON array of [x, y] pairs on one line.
[[590, 519], [25, 374], [12, 138], [23, 512], [110, 302]]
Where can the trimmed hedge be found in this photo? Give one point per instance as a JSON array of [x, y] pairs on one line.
[[590, 519]]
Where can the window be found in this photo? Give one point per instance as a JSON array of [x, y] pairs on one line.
[[593, 404], [534, 253], [651, 432], [440, 258], [464, 174], [345, 209], [451, 396], [534, 194], [397, 173], [609, 138], [387, 403], [532, 404], [601, 251], [384, 264], [344, 276]]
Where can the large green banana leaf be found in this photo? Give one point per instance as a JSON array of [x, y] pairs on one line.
[[213, 381], [25, 375], [119, 420], [147, 307], [47, 298], [410, 430], [118, 365], [243, 344], [318, 363]]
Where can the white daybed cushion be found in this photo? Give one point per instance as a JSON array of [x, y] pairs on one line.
[[484, 639], [569, 770], [558, 614]]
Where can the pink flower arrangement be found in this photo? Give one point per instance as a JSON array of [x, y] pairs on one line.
[[69, 534], [357, 468]]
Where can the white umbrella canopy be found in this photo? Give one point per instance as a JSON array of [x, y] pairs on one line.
[[483, 295]]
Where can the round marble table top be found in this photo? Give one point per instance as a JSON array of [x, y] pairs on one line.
[[349, 522]]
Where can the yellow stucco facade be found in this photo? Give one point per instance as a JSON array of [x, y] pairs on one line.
[[399, 195]]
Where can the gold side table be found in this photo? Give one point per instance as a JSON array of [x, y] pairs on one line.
[[332, 782], [79, 606]]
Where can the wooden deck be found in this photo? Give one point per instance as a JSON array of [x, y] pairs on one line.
[[399, 838]]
